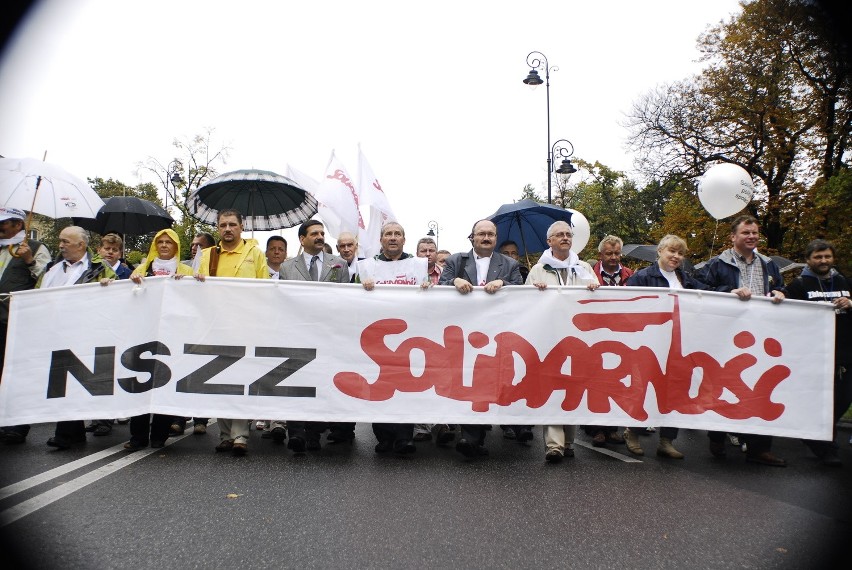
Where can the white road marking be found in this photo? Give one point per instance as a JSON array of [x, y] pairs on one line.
[[33, 504], [609, 452]]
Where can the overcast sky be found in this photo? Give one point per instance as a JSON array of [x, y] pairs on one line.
[[432, 91]]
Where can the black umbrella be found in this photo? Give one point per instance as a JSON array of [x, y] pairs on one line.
[[127, 215], [525, 222], [266, 200], [649, 253]]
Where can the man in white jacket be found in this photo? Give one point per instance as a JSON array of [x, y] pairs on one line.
[[560, 266]]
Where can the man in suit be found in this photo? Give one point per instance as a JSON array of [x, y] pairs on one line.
[[314, 264], [479, 267]]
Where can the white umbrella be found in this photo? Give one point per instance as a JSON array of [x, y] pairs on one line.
[[44, 188]]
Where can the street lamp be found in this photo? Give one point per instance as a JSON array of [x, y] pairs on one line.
[[433, 231], [174, 168], [534, 79], [557, 151]]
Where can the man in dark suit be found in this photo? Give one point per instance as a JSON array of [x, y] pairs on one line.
[[479, 267], [313, 264]]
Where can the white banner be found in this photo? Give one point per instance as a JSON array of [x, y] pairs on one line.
[[337, 193], [380, 209], [244, 348]]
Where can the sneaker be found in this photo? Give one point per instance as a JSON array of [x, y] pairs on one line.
[[553, 456], [199, 429]]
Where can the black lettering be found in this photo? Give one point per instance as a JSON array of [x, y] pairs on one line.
[[195, 382], [97, 383], [296, 358], [160, 374]]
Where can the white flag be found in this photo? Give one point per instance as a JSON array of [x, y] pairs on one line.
[[380, 209], [329, 218], [337, 193]]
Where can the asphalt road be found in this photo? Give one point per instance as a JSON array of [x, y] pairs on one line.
[[185, 507]]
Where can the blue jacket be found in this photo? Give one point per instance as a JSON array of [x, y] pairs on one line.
[[652, 277], [722, 273]]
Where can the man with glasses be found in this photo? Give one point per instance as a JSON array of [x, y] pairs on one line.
[[479, 267], [560, 266]]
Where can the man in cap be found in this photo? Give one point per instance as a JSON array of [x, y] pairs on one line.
[[22, 261]]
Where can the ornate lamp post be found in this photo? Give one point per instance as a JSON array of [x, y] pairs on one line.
[[534, 79], [174, 168], [433, 232]]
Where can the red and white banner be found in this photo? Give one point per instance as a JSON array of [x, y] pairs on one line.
[[244, 348], [337, 193], [381, 213]]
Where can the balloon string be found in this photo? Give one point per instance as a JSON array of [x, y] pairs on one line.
[[713, 243]]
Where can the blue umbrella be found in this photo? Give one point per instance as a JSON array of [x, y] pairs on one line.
[[525, 222]]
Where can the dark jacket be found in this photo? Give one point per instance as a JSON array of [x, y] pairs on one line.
[[463, 265], [98, 269], [722, 273], [651, 276], [809, 287]]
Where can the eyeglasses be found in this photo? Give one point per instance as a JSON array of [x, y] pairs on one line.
[[485, 235], [561, 235]]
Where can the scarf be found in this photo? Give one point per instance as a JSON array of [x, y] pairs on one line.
[[14, 240]]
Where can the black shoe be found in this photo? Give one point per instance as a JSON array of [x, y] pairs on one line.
[[158, 443], [13, 437], [509, 433], [524, 435], [466, 448], [829, 458], [101, 430], [384, 446], [278, 434], [135, 445], [339, 436], [296, 444], [404, 447], [63, 443]]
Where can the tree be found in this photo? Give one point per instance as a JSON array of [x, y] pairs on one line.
[[773, 99], [195, 163]]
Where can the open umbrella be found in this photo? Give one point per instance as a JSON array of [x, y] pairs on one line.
[[267, 201], [525, 222], [649, 253], [128, 215], [44, 188]]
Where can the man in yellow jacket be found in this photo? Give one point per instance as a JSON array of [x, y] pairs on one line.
[[233, 257]]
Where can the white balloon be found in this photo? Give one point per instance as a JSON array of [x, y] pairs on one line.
[[582, 230], [725, 189]]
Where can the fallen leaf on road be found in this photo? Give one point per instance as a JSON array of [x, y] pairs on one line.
[[782, 550], [233, 495]]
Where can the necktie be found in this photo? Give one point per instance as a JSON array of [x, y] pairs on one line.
[[313, 269]]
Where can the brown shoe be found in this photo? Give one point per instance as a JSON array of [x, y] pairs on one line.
[[666, 449], [225, 445], [599, 440], [632, 441], [239, 449], [766, 458], [614, 437]]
